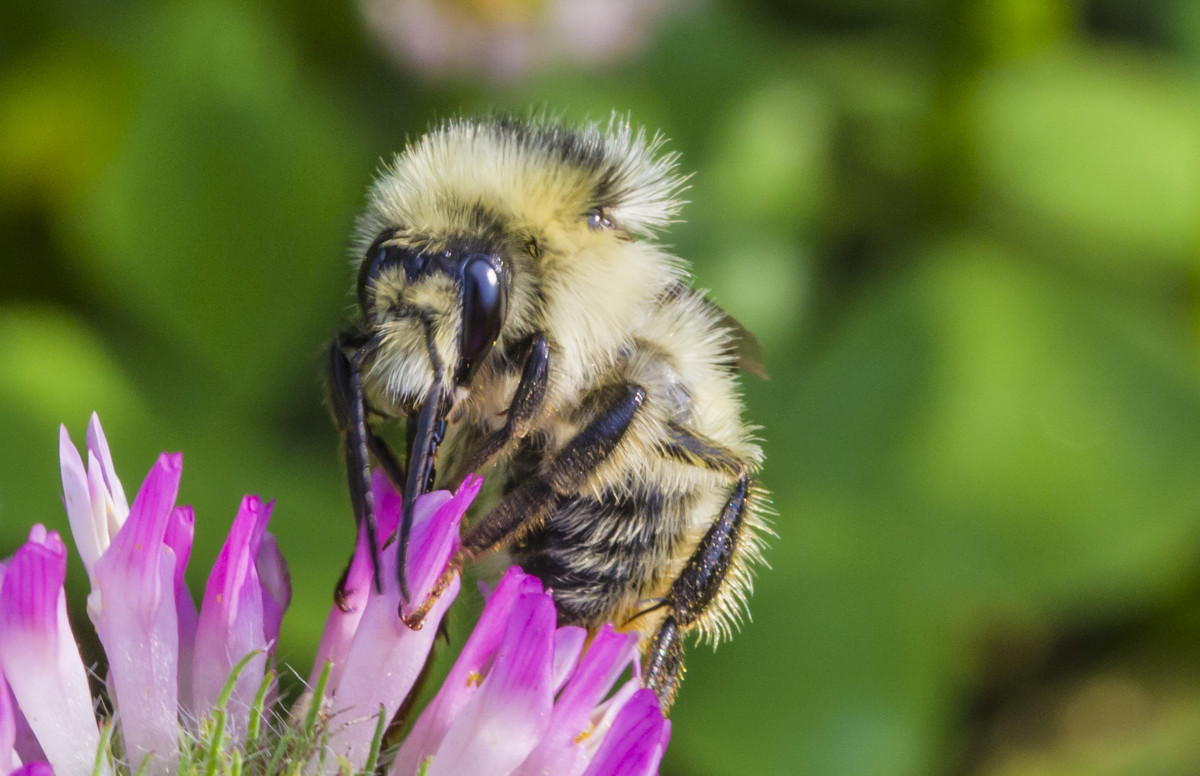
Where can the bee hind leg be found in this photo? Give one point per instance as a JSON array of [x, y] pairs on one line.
[[692, 592]]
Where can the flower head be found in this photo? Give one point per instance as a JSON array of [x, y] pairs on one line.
[[191, 689], [520, 700]]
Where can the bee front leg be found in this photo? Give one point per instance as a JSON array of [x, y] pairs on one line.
[[350, 414], [530, 503], [690, 596]]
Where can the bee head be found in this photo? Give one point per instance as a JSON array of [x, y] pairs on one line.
[[436, 308], [486, 231]]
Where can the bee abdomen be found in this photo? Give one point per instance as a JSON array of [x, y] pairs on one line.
[[604, 556]]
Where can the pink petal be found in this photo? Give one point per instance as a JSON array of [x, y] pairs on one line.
[[88, 525], [180, 531], [109, 516], [635, 744], [277, 586], [356, 586], [606, 713], [137, 621], [388, 505], [98, 445], [357, 583], [562, 749], [17, 742], [34, 769], [26, 745], [15, 736], [383, 664], [385, 656], [503, 722], [462, 683], [568, 643], [341, 623], [231, 624], [9, 760], [40, 659], [94, 498], [142, 534], [428, 551]]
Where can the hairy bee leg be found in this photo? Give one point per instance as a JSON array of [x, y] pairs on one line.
[[340, 379], [662, 665], [416, 620], [691, 594], [349, 409], [525, 405], [349, 413], [530, 503], [687, 446]]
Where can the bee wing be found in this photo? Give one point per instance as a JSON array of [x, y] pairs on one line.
[[744, 347]]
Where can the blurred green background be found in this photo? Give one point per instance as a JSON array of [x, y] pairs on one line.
[[966, 234]]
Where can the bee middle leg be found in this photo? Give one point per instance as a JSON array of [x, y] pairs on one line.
[[532, 501]]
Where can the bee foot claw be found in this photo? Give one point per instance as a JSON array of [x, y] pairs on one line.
[[341, 598], [415, 620]]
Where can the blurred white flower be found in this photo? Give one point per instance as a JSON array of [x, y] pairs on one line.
[[505, 39]]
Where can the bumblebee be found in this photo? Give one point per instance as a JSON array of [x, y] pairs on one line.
[[516, 311]]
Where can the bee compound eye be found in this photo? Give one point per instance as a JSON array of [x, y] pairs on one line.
[[484, 307], [598, 219], [373, 262]]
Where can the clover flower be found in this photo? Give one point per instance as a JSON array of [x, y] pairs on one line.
[[192, 689]]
